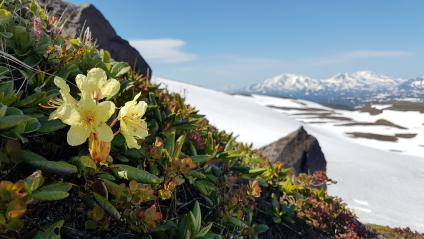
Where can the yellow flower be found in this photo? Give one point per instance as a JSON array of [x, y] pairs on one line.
[[68, 102], [89, 117], [96, 85], [133, 127]]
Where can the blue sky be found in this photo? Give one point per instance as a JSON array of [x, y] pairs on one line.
[[225, 44]]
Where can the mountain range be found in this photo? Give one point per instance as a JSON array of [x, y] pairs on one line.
[[342, 89]]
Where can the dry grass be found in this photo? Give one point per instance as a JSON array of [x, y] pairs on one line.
[[380, 137], [407, 106], [379, 122], [371, 110]]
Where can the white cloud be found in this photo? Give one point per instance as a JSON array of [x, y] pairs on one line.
[[165, 50]]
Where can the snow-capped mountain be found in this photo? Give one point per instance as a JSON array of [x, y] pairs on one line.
[[416, 84], [290, 82], [346, 89], [361, 80]]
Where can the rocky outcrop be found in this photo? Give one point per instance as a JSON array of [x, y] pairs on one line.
[[78, 18], [298, 150]]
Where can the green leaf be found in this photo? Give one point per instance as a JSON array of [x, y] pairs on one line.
[[10, 121], [50, 232], [205, 187], [184, 231], [7, 87], [119, 69], [210, 144], [21, 38], [170, 142], [261, 228], [5, 16], [31, 100], [85, 164], [178, 146], [201, 158], [197, 214], [48, 126], [105, 55], [132, 173], [193, 149], [3, 109], [34, 181], [32, 125], [6, 35], [49, 195], [32, 60], [257, 171], [75, 42], [39, 162], [61, 186], [13, 111], [237, 222], [204, 231], [107, 206], [106, 176], [229, 145]]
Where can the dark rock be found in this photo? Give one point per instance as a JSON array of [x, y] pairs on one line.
[[79, 18], [298, 150]]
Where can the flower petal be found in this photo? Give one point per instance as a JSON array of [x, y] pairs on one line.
[[81, 81], [97, 75], [61, 84], [125, 109], [140, 108], [131, 141], [104, 132], [77, 135], [137, 96], [110, 88], [104, 111], [70, 115]]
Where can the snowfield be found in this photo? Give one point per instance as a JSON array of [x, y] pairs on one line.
[[381, 186], [411, 122]]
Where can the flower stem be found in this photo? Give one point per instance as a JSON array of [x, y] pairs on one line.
[[117, 132], [114, 122]]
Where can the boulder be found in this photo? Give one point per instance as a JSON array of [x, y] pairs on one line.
[[298, 150], [79, 18]]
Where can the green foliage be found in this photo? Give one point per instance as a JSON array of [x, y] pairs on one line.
[[51, 231]]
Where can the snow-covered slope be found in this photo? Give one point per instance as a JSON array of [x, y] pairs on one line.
[[405, 129], [219, 107], [382, 187]]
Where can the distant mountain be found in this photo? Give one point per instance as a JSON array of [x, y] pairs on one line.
[[288, 83], [416, 84], [344, 89], [361, 80]]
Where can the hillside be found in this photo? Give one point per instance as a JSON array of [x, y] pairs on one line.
[[369, 180]]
